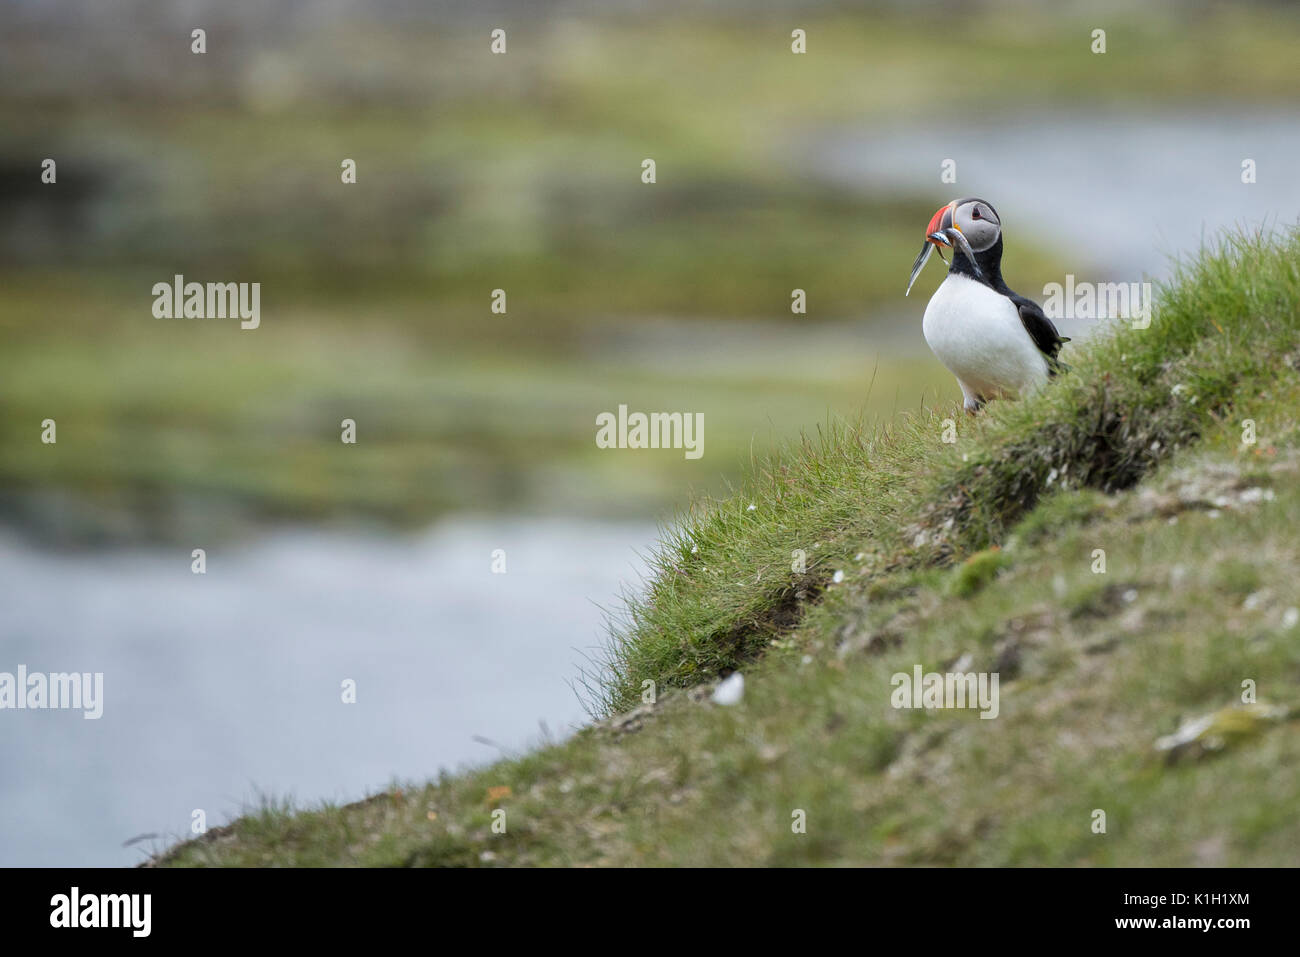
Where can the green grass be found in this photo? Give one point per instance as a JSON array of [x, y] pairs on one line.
[[900, 496], [1137, 453]]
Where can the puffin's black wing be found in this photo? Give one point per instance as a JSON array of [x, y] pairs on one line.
[[1041, 330]]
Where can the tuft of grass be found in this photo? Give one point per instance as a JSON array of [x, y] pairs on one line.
[[977, 571], [1238, 577], [1058, 513]]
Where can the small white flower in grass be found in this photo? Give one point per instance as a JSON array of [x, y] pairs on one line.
[[752, 508], [1051, 476], [1186, 734], [730, 689], [1290, 618], [859, 556], [837, 577], [1130, 596], [1179, 389], [806, 660], [1254, 600]]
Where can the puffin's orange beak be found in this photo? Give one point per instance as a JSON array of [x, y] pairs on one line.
[[940, 221], [934, 238]]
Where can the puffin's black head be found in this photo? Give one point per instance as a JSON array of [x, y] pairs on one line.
[[968, 226]]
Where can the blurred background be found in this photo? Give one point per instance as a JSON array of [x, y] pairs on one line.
[[522, 171]]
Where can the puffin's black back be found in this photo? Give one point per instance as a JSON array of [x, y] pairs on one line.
[[1041, 329]]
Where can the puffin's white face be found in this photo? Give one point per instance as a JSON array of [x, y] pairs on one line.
[[978, 222], [969, 225]]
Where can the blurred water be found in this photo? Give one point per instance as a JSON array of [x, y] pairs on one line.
[[1116, 193], [222, 686]]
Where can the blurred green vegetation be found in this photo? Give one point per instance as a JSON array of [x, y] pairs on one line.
[[520, 172], [185, 408]]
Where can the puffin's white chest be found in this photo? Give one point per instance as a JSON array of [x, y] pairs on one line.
[[977, 334]]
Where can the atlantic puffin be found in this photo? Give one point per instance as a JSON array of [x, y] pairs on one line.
[[997, 343]]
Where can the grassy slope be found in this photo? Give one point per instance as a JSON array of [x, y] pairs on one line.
[[1137, 452]]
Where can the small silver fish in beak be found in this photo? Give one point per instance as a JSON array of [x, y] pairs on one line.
[[921, 259], [958, 239]]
